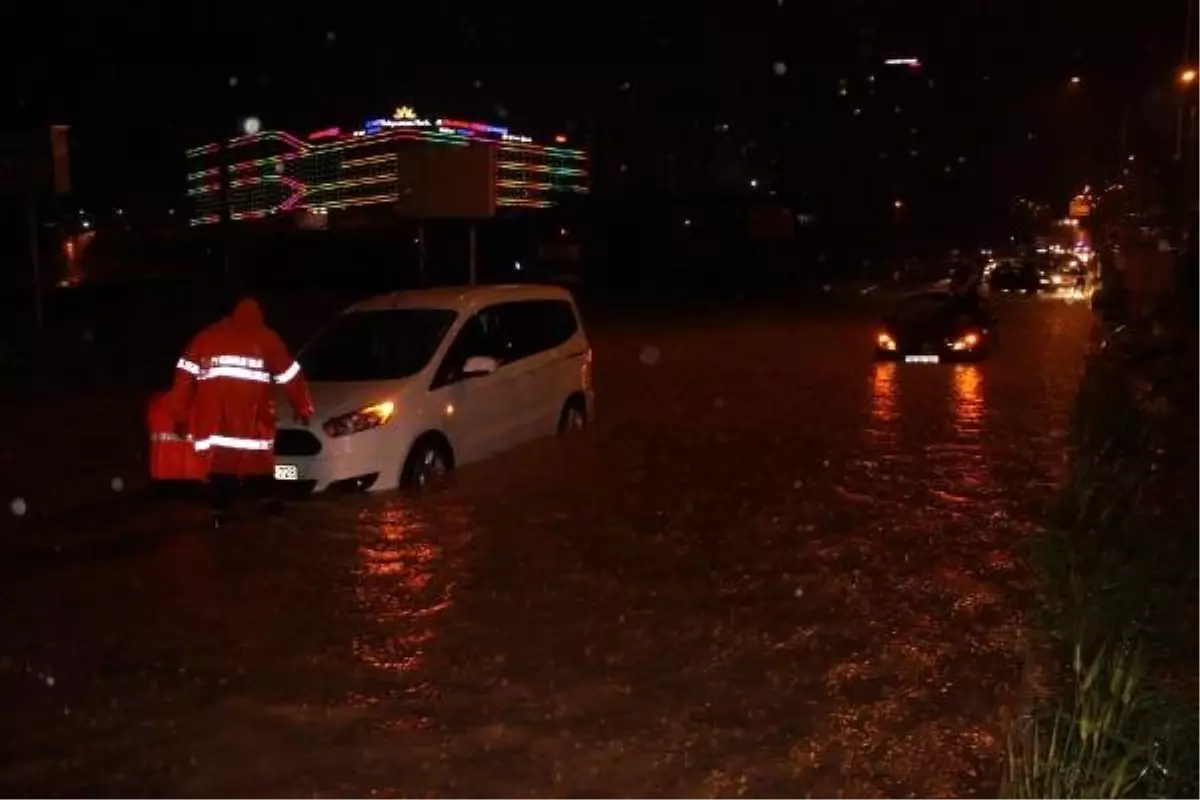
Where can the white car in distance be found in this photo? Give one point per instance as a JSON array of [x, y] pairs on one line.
[[408, 385]]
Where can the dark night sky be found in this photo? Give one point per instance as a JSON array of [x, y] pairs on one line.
[[138, 83]]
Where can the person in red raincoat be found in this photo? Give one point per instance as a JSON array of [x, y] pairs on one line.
[[223, 388]]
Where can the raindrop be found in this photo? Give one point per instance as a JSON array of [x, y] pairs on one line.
[[799, 591], [233, 81], [478, 84], [87, 335], [117, 484], [251, 125], [827, 288], [718, 402], [330, 36], [780, 68], [649, 355], [857, 111], [501, 111], [624, 87], [18, 506], [50, 681], [797, 484]]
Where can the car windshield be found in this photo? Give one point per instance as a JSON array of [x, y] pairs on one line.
[[925, 310], [376, 345]]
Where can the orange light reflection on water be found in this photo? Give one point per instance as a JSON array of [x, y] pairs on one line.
[[395, 587], [885, 394], [969, 403]]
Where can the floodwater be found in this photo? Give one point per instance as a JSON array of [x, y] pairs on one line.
[[772, 568]]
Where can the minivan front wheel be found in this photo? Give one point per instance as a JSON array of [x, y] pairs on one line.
[[573, 417], [428, 462]]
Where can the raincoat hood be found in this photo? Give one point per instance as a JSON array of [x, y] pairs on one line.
[[247, 312]]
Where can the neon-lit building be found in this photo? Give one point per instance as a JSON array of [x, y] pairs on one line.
[[274, 173]]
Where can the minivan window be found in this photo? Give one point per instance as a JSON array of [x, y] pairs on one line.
[[376, 345], [479, 336], [535, 326]]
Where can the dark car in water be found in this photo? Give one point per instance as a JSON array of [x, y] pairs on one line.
[[934, 327], [1015, 278]]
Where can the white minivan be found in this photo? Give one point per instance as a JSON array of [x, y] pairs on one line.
[[408, 385]]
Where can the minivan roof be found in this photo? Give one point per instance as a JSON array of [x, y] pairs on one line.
[[461, 298]]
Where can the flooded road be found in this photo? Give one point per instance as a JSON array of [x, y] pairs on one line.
[[772, 568]]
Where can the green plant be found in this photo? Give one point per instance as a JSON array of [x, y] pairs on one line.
[[1114, 738]]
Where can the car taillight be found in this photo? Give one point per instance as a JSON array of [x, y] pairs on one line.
[[967, 341]]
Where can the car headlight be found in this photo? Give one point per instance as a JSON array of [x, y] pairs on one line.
[[364, 419], [885, 342], [966, 342]]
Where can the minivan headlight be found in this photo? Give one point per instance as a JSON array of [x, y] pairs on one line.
[[364, 419]]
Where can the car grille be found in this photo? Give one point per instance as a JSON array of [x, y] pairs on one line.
[[293, 442]]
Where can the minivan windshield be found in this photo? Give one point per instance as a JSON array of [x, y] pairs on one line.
[[376, 345]]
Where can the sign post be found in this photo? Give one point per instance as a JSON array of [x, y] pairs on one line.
[[33, 166], [472, 270], [434, 182]]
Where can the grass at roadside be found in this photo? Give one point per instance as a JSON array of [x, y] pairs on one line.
[[1119, 582]]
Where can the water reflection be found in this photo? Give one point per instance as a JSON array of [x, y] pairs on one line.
[[885, 397], [968, 399], [397, 586]]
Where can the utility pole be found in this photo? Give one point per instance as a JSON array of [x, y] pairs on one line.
[[1185, 95], [473, 275], [35, 259]]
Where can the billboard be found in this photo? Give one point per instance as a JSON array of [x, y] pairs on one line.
[[35, 163], [436, 181]]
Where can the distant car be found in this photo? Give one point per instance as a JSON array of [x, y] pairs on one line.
[[1064, 277], [409, 385], [933, 327], [1015, 278]]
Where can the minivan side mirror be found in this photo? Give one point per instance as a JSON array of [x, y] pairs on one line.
[[477, 366]]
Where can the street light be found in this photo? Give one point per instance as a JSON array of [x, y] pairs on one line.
[[1187, 77]]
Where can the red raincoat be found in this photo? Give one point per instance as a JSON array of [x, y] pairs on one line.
[[172, 457], [223, 389]]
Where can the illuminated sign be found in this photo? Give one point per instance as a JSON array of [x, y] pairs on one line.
[[402, 117], [326, 133], [406, 117]]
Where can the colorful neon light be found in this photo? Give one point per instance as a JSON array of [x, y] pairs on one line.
[[328, 171]]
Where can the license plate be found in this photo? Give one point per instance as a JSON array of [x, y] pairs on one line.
[[287, 472], [920, 359]]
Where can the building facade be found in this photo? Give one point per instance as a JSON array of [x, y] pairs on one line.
[[277, 174]]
